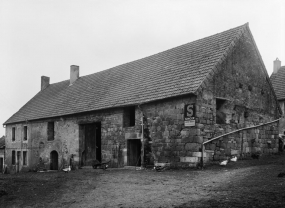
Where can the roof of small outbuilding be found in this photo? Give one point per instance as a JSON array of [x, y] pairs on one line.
[[177, 71], [278, 82]]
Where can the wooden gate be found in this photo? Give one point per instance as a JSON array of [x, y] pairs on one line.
[[134, 152]]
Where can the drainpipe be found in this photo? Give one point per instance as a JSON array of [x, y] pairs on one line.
[[142, 152]]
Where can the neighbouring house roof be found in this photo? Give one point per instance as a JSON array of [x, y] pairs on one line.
[[278, 82], [2, 142], [177, 71]]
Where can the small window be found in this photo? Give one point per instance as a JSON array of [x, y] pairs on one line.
[[13, 157], [220, 115], [250, 88], [13, 133], [24, 157], [219, 103], [129, 116], [240, 85], [262, 92], [50, 131], [25, 133]]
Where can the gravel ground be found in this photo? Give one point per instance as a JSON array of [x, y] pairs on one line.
[[246, 183]]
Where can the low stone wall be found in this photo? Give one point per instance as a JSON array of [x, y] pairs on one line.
[[260, 140]]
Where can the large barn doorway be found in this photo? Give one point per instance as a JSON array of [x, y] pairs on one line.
[[92, 143], [54, 160], [134, 152]]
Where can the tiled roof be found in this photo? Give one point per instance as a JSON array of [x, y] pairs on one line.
[[177, 71], [278, 82], [2, 142]]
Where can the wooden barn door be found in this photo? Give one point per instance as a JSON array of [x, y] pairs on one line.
[[134, 152], [92, 143]]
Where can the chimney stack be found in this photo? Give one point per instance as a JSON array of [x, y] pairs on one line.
[[74, 73], [276, 65], [44, 82]]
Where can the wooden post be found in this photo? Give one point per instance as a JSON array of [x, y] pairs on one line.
[[241, 151], [202, 158], [142, 149]]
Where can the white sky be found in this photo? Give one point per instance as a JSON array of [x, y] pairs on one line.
[[45, 37]]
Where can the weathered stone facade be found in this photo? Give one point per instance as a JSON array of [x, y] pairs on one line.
[[235, 95]]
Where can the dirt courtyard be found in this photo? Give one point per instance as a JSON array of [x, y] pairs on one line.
[[246, 183]]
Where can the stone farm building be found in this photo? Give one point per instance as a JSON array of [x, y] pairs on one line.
[[186, 95]]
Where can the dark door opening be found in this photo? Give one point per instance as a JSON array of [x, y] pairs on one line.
[[92, 144], [54, 160], [18, 161], [1, 164], [134, 152]]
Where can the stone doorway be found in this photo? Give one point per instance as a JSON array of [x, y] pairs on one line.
[[54, 160], [134, 152]]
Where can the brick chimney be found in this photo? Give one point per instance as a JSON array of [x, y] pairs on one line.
[[276, 65], [74, 73], [44, 82]]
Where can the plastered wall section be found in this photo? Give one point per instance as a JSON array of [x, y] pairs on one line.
[[68, 139], [37, 145]]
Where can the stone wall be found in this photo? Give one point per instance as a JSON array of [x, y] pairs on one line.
[[168, 138], [237, 96]]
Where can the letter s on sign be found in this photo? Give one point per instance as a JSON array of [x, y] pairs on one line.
[[189, 110]]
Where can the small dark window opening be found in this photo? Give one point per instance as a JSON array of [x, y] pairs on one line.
[[24, 157], [240, 85], [50, 131], [246, 114], [250, 88], [25, 133], [219, 103], [129, 117], [220, 115], [262, 92], [13, 157], [13, 133]]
